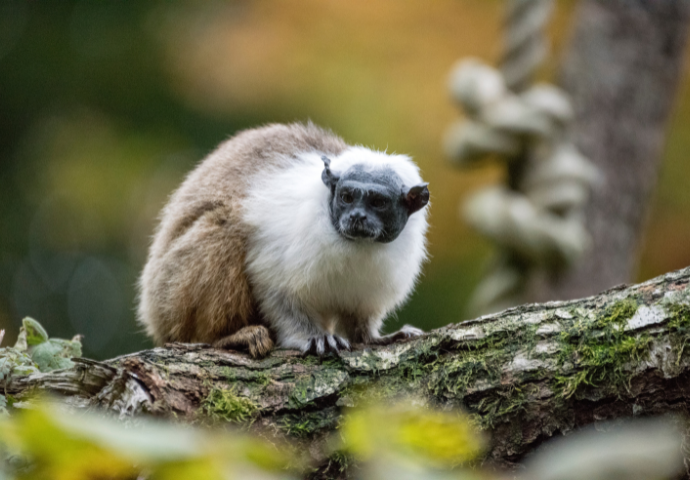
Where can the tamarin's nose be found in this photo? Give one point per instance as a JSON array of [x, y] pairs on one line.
[[358, 215]]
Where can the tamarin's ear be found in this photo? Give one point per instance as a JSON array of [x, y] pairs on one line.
[[327, 176], [417, 197]]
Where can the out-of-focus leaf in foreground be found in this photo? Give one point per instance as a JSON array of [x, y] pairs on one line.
[[643, 449], [430, 437], [65, 446]]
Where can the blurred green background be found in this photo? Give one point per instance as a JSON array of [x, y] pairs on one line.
[[104, 106]]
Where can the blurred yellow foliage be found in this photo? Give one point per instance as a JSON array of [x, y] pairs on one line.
[[402, 441], [62, 445], [436, 438], [58, 454], [59, 444]]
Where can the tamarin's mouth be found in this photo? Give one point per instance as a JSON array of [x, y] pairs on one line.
[[356, 230]]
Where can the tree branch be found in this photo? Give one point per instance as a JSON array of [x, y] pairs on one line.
[[527, 373]]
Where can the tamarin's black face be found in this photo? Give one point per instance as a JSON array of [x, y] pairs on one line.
[[371, 205]]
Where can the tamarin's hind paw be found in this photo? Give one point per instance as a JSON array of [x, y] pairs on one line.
[[324, 344], [256, 339], [407, 331]]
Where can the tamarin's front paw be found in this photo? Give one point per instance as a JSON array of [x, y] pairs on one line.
[[324, 344]]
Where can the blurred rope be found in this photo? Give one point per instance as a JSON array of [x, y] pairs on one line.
[[536, 218]]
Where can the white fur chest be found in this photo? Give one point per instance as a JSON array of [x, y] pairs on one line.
[[294, 250]]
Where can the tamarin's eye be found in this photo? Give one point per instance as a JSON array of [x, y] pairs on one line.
[[347, 197], [379, 202]]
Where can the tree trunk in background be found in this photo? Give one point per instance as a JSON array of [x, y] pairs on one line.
[[621, 70]]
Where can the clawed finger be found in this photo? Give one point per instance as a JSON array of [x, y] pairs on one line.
[[309, 347], [332, 344], [320, 346], [344, 344], [325, 344]]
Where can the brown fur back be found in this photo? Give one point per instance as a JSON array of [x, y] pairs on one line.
[[194, 287]]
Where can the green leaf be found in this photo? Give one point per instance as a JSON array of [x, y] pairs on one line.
[[55, 354], [46, 353], [35, 333], [15, 362]]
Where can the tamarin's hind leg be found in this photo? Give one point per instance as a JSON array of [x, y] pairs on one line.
[[256, 339]]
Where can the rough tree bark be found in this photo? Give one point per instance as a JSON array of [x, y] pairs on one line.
[[621, 70], [527, 373]]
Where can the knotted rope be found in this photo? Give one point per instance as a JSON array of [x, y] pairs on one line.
[[537, 217]]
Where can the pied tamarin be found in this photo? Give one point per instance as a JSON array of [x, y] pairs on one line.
[[286, 235]]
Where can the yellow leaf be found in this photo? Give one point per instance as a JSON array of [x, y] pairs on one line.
[[443, 439], [62, 445], [55, 454]]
